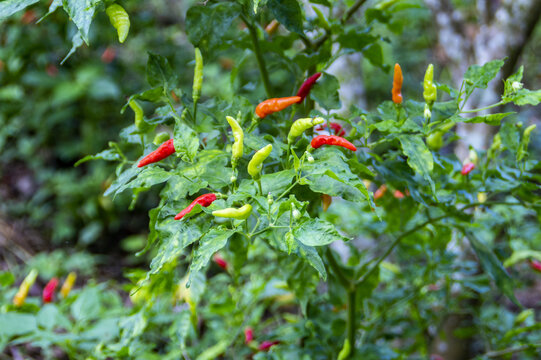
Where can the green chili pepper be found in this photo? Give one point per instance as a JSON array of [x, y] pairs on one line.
[[238, 145], [523, 148], [120, 20], [301, 126], [322, 20], [241, 213], [160, 138], [256, 164], [197, 75], [139, 115], [430, 90]]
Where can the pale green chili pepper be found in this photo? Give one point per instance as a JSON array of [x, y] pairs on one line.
[[197, 75], [138, 110], [238, 145], [256, 164], [241, 213], [430, 90], [120, 20], [301, 126], [160, 138]]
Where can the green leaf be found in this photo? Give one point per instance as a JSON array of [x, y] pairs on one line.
[[6, 278], [277, 182], [175, 237], [185, 140], [55, 4], [317, 232], [491, 119], [159, 72], [419, 157], [81, 13], [510, 136], [311, 256], [479, 76], [325, 92], [210, 243], [123, 179], [108, 155], [76, 41], [214, 351], [10, 7], [150, 176], [288, 13], [492, 265], [525, 97], [87, 305], [14, 324], [209, 24]]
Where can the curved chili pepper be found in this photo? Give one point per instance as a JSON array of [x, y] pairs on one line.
[[163, 151], [266, 345], [68, 284], [380, 192], [256, 163], [139, 114], [336, 127], [273, 105], [301, 125], [467, 168], [238, 146], [241, 213], [120, 20], [306, 86], [397, 84], [248, 335], [203, 200], [22, 293], [48, 290], [220, 261], [332, 140]]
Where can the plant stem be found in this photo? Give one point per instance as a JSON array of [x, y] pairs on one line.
[[260, 187], [342, 278], [481, 109], [286, 191], [194, 112], [259, 56], [351, 320], [512, 350]]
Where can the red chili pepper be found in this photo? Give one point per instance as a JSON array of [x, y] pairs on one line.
[[48, 290], [248, 335], [536, 265], [306, 86], [332, 140], [337, 128], [108, 55], [163, 151], [380, 192], [398, 194], [220, 261], [273, 105], [203, 200], [266, 345], [397, 84], [467, 168]]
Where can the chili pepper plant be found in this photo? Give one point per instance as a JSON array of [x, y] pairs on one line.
[[310, 263]]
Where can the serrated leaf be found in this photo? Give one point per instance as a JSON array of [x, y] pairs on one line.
[[210, 243], [175, 237], [210, 23], [419, 157], [10, 7], [479, 76], [81, 13], [491, 119], [325, 92], [317, 232], [159, 72], [525, 97], [185, 140], [288, 13]]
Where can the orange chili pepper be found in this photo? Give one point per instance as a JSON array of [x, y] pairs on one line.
[[272, 27], [273, 105], [380, 192], [397, 84], [326, 201]]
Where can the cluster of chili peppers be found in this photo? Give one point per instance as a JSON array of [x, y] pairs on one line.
[[263, 346], [48, 291]]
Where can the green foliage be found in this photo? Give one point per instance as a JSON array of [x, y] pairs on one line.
[[374, 277]]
